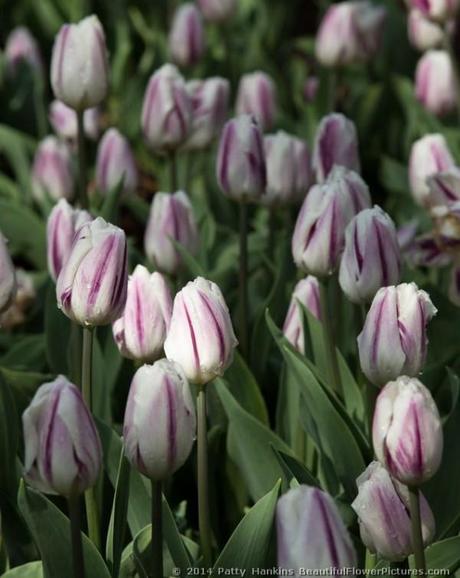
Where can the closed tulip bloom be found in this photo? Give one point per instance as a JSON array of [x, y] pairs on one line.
[[407, 431], [382, 506], [310, 532], [79, 67], [241, 169], [257, 97], [210, 99], [429, 155], [393, 341], [435, 84], [310, 88], [186, 38], [200, 336], [7, 276], [171, 219], [444, 188], [52, 171], [160, 423], [424, 34], [141, 331], [371, 258], [63, 453], [306, 293], [319, 234], [437, 10], [115, 163], [336, 143], [64, 121], [21, 47], [92, 285], [218, 11], [63, 223]]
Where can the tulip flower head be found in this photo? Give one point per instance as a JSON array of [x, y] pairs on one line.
[[436, 10], [186, 38], [424, 34], [64, 121], [306, 293], [115, 163], [21, 47], [218, 11], [435, 83], [257, 97], [52, 171]]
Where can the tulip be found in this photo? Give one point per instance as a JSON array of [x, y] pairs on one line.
[[319, 234], [171, 219], [92, 285], [79, 67], [141, 331], [52, 172], [306, 293], [437, 10], [115, 163], [382, 506], [186, 38], [200, 336], [218, 11], [25, 294], [435, 82], [350, 32], [429, 155], [210, 109], [447, 226], [444, 188], [424, 34], [288, 169], [406, 234], [257, 97], [393, 341], [371, 258], [426, 251], [310, 89], [336, 143], [407, 431], [63, 453], [311, 534], [64, 121], [7, 276], [160, 422], [21, 47], [241, 169]]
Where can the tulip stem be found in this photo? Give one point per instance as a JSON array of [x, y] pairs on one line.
[[271, 232], [173, 171], [203, 493], [157, 530], [329, 341], [75, 533], [416, 524], [81, 161], [243, 336]]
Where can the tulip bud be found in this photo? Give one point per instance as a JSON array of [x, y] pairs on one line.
[[210, 109], [382, 506], [51, 172], [160, 423], [429, 155], [350, 32], [218, 11], [186, 38], [393, 341], [424, 34], [336, 143], [306, 293], [63, 453], [25, 295], [371, 258], [435, 83], [141, 331], [21, 47], [437, 10], [407, 431], [200, 336], [63, 223], [167, 110], [115, 163], [171, 219], [288, 169], [310, 89], [241, 169], [7, 276], [310, 533], [64, 121], [91, 287], [319, 234], [79, 67], [444, 188], [257, 97]]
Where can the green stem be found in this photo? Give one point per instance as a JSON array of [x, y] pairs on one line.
[[75, 352], [371, 560], [173, 171], [243, 278], [271, 232], [329, 341], [157, 530], [416, 524], [75, 532], [203, 493], [82, 183]]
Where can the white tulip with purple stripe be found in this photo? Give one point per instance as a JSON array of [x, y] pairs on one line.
[[218, 11], [21, 47], [424, 34], [407, 431], [393, 341], [336, 143], [241, 168], [257, 97], [435, 82], [186, 38], [171, 218], [64, 121], [63, 453], [371, 258], [305, 293], [7, 276], [311, 534], [141, 331], [444, 188], [92, 285], [79, 66], [382, 507], [437, 10], [200, 336], [115, 163], [63, 223], [160, 422], [52, 171], [167, 110]]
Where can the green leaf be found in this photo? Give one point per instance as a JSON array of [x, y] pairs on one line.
[[23, 385], [8, 440], [190, 262], [28, 353], [444, 554], [30, 570], [294, 470]]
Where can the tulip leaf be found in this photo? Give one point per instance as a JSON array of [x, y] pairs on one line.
[[8, 439], [28, 353], [294, 470], [51, 531], [444, 554], [190, 262], [30, 570]]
